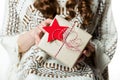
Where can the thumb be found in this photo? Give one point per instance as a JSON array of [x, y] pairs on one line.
[[48, 21]]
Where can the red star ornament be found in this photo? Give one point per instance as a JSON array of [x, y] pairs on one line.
[[55, 31]]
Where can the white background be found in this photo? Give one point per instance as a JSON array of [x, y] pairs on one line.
[[114, 67]]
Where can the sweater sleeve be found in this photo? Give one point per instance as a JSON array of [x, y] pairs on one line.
[[106, 45], [9, 43]]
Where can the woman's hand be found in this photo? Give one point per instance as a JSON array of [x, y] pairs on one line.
[[90, 48], [32, 37], [39, 31], [87, 52]]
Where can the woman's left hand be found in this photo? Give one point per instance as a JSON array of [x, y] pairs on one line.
[[87, 52], [90, 48]]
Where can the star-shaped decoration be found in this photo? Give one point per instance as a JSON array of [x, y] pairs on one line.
[[55, 31]]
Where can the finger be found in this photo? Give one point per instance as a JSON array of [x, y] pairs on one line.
[[84, 51], [90, 47], [40, 28], [46, 22], [43, 24], [82, 57], [87, 53]]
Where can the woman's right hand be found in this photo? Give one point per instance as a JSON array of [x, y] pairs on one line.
[[32, 37], [39, 31]]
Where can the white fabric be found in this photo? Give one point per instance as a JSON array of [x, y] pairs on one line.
[[9, 43], [102, 60], [11, 46]]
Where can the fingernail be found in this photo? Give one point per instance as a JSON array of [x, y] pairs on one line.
[[84, 52]]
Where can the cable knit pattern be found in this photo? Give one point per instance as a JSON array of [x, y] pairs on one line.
[[37, 65], [106, 43]]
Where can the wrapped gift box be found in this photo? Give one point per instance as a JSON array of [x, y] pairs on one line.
[[68, 46]]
